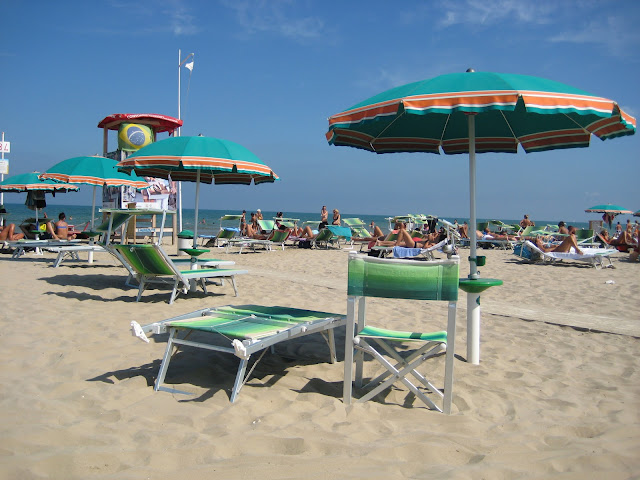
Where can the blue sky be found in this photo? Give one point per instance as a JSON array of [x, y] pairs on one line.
[[269, 73]]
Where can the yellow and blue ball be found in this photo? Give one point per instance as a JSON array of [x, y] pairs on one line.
[[134, 136]]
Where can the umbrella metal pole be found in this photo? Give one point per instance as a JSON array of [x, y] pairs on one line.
[[473, 299], [192, 285], [93, 214]]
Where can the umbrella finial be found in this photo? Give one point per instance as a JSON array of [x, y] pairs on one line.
[[470, 70]]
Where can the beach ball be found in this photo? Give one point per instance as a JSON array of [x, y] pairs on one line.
[[134, 136]]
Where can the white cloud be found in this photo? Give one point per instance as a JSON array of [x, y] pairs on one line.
[[490, 12], [275, 16], [618, 34]]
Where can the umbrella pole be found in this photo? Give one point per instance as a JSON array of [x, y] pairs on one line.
[[473, 299], [93, 214], [195, 228]]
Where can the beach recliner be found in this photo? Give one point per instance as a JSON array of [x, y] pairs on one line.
[[593, 256], [399, 279], [242, 330], [325, 236], [150, 264], [427, 253]]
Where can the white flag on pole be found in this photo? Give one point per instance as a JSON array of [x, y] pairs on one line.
[[189, 65]]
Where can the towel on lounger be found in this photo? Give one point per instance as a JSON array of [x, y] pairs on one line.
[[404, 252]]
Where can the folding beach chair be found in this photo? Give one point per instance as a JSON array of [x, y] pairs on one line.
[[242, 330], [150, 264], [400, 279]]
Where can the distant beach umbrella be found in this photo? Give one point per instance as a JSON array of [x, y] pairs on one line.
[[609, 212], [201, 160], [92, 170], [36, 188], [478, 112]]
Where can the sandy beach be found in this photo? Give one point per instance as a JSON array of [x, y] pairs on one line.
[[556, 394]]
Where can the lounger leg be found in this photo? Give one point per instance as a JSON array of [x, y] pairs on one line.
[[242, 368], [165, 360], [233, 283], [140, 289], [332, 346], [174, 292], [59, 259]]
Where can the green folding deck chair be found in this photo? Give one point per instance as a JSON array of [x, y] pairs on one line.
[[324, 237], [242, 330], [150, 264], [400, 279]]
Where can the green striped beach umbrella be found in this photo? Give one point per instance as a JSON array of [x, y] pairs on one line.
[[478, 112], [30, 182], [26, 182], [201, 160], [609, 212], [93, 170]]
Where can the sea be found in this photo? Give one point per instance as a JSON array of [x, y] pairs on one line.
[[209, 220]]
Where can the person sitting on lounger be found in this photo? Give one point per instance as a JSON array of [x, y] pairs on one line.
[[62, 228], [8, 233], [562, 228], [336, 217], [625, 239], [564, 246]]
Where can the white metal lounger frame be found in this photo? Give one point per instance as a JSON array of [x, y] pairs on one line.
[[593, 256], [242, 349]]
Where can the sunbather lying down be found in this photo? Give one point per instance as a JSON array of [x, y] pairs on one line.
[[489, 235], [405, 240], [564, 246]]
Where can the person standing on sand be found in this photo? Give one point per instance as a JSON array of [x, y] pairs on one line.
[[525, 222], [324, 218]]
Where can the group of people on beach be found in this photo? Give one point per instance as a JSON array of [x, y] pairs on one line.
[[46, 230], [252, 228]]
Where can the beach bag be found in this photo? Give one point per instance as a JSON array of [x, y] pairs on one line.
[[304, 244]]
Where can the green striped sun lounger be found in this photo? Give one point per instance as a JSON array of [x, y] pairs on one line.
[[150, 264], [242, 330]]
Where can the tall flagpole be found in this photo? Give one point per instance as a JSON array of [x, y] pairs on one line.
[[179, 192]]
